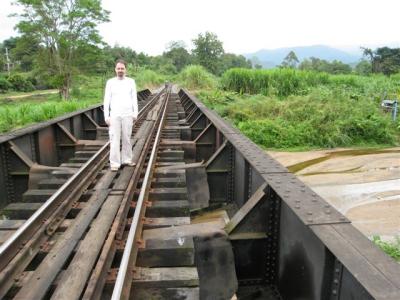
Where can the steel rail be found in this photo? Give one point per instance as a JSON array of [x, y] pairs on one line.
[[9, 248], [98, 277], [121, 281]]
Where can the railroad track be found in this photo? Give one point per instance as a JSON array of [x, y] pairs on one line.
[[205, 214], [57, 225]]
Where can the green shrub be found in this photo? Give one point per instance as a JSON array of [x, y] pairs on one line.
[[196, 77], [148, 79], [318, 120], [19, 83], [390, 248], [5, 85]]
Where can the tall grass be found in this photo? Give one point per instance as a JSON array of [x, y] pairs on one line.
[[317, 120], [196, 77], [285, 82], [280, 82], [14, 116]]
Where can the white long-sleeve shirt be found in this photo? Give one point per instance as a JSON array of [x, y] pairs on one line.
[[120, 98]]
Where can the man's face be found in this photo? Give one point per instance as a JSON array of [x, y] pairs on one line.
[[120, 70]]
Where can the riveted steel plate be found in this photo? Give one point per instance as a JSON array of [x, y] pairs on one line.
[[306, 204], [258, 158]]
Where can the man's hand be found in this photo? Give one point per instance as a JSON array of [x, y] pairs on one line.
[[108, 121]]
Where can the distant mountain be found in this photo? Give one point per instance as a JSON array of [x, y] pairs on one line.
[[270, 58]]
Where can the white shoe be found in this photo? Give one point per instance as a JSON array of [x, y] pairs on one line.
[[114, 169]]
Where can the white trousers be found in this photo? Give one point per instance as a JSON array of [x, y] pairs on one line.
[[120, 129]]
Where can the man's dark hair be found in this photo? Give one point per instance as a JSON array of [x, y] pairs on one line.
[[120, 61]]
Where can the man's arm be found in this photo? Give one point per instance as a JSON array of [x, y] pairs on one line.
[[134, 100], [107, 101]]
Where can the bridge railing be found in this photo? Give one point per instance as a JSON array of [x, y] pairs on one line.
[[47, 143]]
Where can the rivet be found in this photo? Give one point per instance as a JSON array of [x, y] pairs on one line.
[[309, 213], [310, 220]]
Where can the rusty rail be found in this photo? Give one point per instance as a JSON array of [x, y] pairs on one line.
[[124, 278]]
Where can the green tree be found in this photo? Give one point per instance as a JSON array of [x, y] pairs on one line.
[[208, 51], [230, 60], [314, 64], [62, 27], [369, 55], [162, 64], [363, 68], [384, 59], [255, 61], [387, 60], [321, 65], [25, 51], [338, 67], [178, 55], [120, 52], [290, 61]]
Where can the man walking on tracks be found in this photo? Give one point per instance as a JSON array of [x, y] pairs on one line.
[[120, 109]]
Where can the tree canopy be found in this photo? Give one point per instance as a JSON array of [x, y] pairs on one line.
[[61, 28], [290, 61], [208, 51]]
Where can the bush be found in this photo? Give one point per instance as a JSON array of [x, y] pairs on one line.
[[318, 120], [19, 83], [196, 77], [148, 78], [5, 85], [390, 248]]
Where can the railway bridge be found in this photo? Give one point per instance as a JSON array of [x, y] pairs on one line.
[[204, 214]]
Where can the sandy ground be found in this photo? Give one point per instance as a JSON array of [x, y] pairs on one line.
[[363, 185]]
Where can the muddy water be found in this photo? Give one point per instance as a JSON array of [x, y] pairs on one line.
[[362, 184], [330, 155]]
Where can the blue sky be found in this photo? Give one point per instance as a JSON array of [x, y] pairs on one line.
[[244, 26]]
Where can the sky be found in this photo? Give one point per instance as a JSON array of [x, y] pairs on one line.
[[243, 26]]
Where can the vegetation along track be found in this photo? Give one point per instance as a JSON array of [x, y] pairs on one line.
[[205, 214]]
